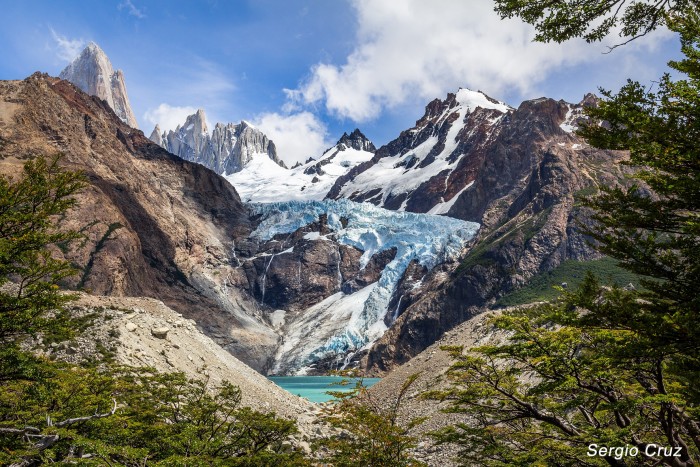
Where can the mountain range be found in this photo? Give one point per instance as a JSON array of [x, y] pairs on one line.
[[363, 256], [228, 149]]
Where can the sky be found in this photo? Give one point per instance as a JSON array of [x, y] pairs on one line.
[[305, 71]]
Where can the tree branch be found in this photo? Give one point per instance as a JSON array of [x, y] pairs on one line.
[[71, 421]]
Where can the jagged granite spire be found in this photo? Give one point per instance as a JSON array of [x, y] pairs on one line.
[[157, 136], [357, 140], [227, 150], [92, 72]]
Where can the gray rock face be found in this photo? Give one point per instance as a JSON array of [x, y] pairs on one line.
[[92, 72], [157, 136], [357, 140], [229, 148]]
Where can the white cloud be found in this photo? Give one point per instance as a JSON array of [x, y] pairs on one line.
[[67, 49], [132, 9], [297, 136], [413, 49], [167, 116]]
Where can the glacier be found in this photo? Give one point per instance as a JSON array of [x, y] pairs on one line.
[[429, 239]]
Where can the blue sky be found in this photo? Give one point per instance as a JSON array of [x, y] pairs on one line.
[[304, 71]]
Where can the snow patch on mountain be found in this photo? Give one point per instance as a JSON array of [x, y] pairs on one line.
[[428, 239], [470, 100], [445, 206], [320, 323], [261, 182]]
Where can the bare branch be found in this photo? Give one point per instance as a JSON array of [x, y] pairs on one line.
[[71, 421]]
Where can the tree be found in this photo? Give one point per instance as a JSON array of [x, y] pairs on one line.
[[99, 414], [653, 228], [29, 207], [30, 302], [367, 432], [605, 366], [137, 417], [561, 385], [593, 19]]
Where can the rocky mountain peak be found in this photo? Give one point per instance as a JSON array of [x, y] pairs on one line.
[[157, 135], [356, 140], [197, 123], [589, 100], [93, 73], [228, 149]]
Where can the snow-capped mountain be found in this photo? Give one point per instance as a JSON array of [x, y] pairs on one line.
[[520, 173], [261, 181], [228, 149], [422, 170], [92, 72], [428, 167]]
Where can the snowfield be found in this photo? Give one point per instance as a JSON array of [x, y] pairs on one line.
[[263, 181]]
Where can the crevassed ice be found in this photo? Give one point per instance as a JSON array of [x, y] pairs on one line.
[[429, 239]]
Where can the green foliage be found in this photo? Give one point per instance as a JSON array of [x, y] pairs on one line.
[[30, 302], [584, 194], [369, 433], [592, 19], [562, 382], [605, 365], [543, 286], [123, 416], [657, 233]]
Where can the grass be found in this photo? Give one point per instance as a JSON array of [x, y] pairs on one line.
[[584, 194], [541, 287], [482, 253]]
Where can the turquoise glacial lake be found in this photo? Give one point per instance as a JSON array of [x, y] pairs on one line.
[[314, 388]]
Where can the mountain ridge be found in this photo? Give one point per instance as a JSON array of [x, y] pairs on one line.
[[261, 181], [523, 182], [516, 172], [155, 225], [227, 150]]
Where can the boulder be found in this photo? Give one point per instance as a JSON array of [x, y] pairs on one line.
[[160, 333]]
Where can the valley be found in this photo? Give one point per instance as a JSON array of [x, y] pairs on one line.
[[365, 259], [360, 258]]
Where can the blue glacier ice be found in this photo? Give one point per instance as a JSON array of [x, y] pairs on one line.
[[429, 239]]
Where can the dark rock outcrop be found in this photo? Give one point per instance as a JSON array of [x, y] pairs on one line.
[[293, 273], [357, 140]]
